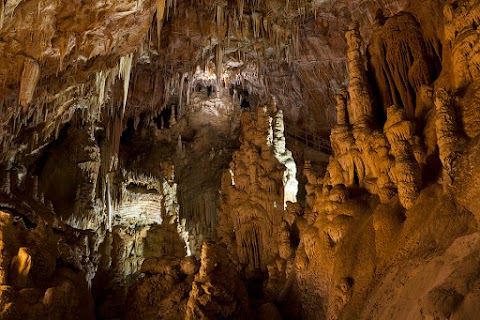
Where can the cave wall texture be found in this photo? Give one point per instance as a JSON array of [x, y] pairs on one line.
[[239, 159]]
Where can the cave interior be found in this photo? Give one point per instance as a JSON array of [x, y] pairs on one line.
[[239, 159]]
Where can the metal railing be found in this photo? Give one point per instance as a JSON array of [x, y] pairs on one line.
[[308, 138]]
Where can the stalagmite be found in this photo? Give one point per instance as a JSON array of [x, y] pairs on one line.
[[253, 192], [179, 145], [399, 131], [6, 221], [361, 154], [341, 107], [360, 108], [311, 185], [20, 268], [347, 162], [447, 132], [173, 118], [217, 271], [284, 156], [28, 83]]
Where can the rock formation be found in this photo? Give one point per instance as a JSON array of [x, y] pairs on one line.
[[33, 285], [364, 157], [254, 191], [400, 39], [164, 289], [217, 292], [399, 132]]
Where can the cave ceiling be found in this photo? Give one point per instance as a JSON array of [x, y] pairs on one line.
[[58, 57]]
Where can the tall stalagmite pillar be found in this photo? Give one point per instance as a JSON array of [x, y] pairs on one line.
[[341, 106], [399, 132], [446, 129], [360, 108]]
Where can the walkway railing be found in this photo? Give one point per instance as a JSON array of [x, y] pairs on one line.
[[307, 138]]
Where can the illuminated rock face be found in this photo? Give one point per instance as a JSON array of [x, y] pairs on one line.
[[395, 160], [254, 190], [379, 161], [285, 157], [148, 165], [32, 284]]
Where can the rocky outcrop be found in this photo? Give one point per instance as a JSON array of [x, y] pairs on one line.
[[164, 290], [34, 283], [185, 288], [217, 292]]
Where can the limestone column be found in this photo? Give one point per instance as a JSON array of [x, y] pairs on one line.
[[446, 129], [399, 131], [360, 107], [341, 107], [173, 119]]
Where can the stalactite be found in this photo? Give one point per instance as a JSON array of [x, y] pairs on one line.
[[160, 17], [220, 16], [2, 13], [400, 62], [28, 84], [110, 209], [180, 93], [124, 72], [219, 63], [277, 32], [100, 82], [169, 5], [240, 6], [189, 90], [256, 23], [114, 131]]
